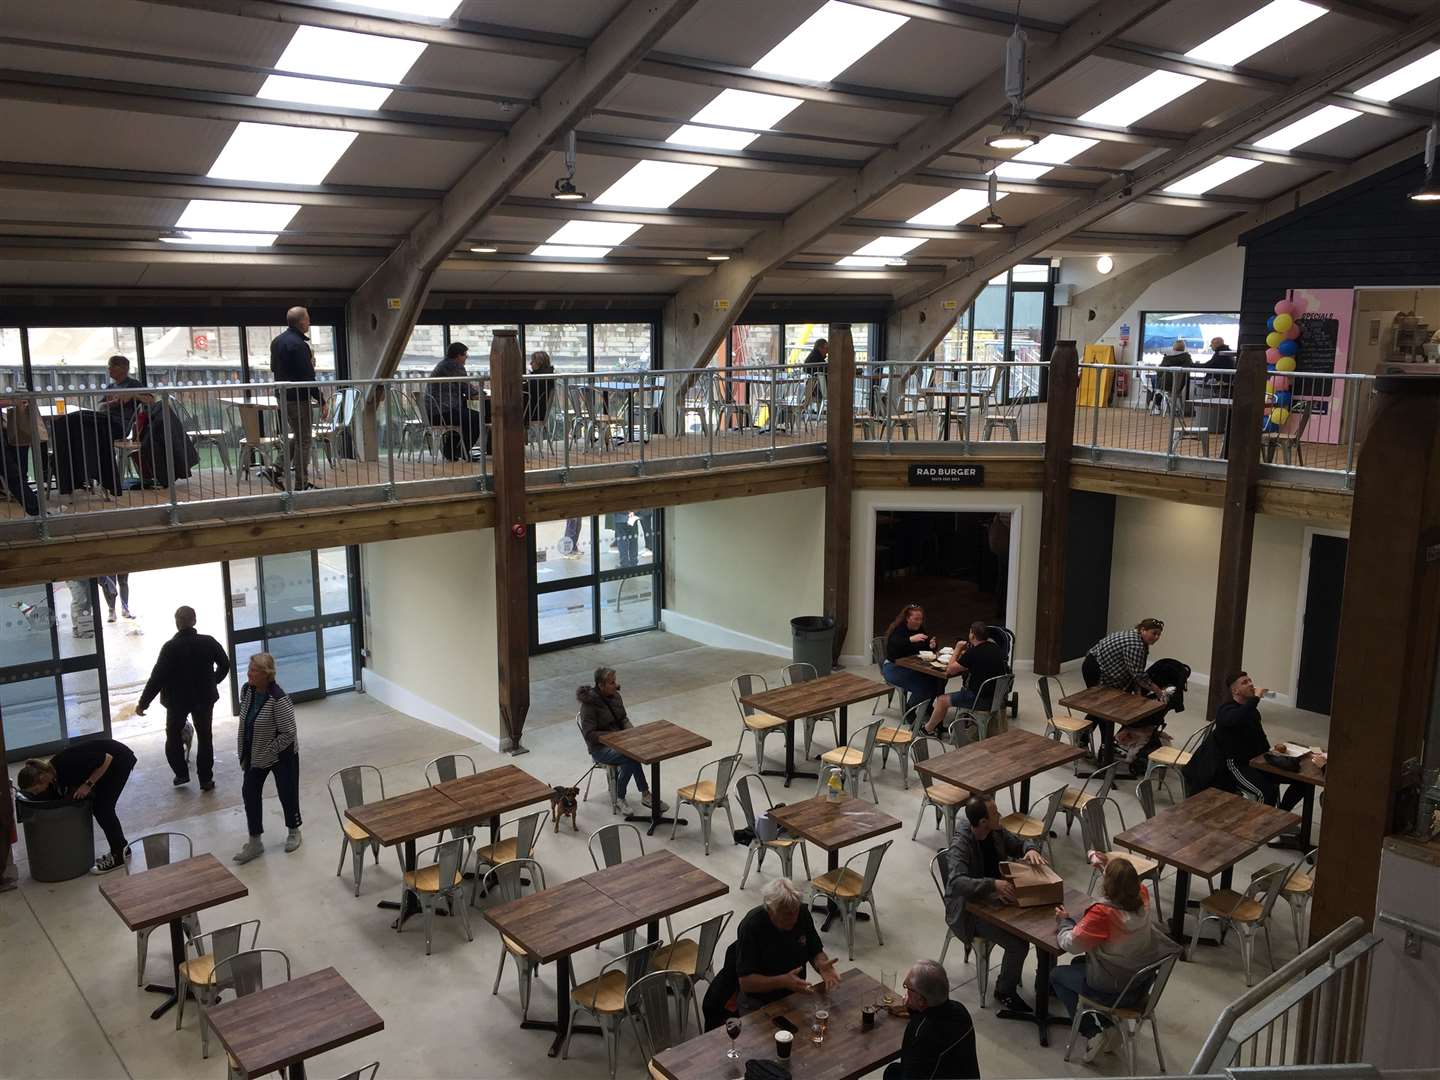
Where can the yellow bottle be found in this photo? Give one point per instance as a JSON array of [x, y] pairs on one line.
[[834, 786]]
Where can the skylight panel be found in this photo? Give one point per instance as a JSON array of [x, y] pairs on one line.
[[1154, 91], [744, 109], [570, 251], [1055, 149], [220, 214], [607, 233], [953, 209], [712, 138], [1218, 172], [1307, 127], [322, 92], [340, 54], [223, 239], [829, 41], [277, 154], [890, 247], [654, 184], [1401, 82], [862, 262], [1258, 30], [433, 9]]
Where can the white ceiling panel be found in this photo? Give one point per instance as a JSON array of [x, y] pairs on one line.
[[736, 32], [69, 135], [389, 161], [747, 189], [552, 16]]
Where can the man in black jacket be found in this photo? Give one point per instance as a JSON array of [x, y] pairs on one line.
[[292, 360], [186, 673], [939, 1041], [1240, 736]]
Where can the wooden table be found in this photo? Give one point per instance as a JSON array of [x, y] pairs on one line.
[[833, 825], [1110, 707], [1012, 757], [1207, 834], [485, 796], [1037, 926], [167, 894], [650, 744], [1312, 776], [282, 1025], [553, 924], [813, 698], [403, 819], [924, 667], [848, 1052]]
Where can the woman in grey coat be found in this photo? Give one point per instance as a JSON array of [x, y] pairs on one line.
[[267, 743]]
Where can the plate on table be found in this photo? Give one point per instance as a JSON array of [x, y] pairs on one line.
[[1290, 750], [926, 654], [938, 665]]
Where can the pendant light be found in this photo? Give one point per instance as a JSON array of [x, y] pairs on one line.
[[992, 220], [565, 189], [1012, 134], [1429, 191]]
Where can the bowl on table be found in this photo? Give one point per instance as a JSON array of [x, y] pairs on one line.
[[926, 654]]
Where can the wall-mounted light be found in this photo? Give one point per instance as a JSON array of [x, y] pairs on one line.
[[1104, 264]]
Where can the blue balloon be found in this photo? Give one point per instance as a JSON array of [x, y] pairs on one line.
[[1270, 324], [1283, 398], [1287, 348]]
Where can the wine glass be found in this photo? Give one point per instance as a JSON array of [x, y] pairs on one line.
[[732, 1028]]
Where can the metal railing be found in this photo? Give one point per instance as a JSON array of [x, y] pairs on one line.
[[1309, 1072], [969, 405]]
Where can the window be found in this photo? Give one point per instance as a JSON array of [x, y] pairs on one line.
[[12, 359], [257, 345], [594, 578], [187, 355], [424, 350], [1159, 330], [754, 345], [800, 338], [75, 357], [623, 347], [567, 343], [479, 338]]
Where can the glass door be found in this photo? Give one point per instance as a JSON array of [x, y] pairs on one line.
[[593, 578], [1025, 340]]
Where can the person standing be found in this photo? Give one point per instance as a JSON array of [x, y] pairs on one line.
[[602, 710], [1119, 660], [939, 1039], [268, 743], [293, 360], [113, 585], [96, 769], [447, 404], [189, 668]]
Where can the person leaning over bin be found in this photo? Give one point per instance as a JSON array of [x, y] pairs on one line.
[[96, 770]]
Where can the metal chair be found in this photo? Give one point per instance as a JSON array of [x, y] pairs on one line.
[[1095, 834], [367, 1073], [1097, 786], [1001, 410], [853, 760], [945, 798], [604, 996], [1246, 912], [508, 882], [203, 953], [1164, 758], [996, 691], [246, 973], [848, 890], [784, 847], [256, 446], [612, 775], [1032, 828], [694, 957], [330, 430], [898, 737], [449, 767], [1297, 892], [661, 1006], [158, 849], [219, 437], [1145, 793], [877, 657], [756, 723], [1149, 982], [1181, 432], [528, 830], [707, 796], [1078, 731], [355, 789], [442, 879], [432, 434], [1289, 444], [798, 673], [611, 842], [939, 871]]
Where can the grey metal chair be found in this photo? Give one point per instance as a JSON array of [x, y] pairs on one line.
[[898, 737], [203, 953], [996, 691], [663, 1012], [784, 847], [449, 767], [695, 956], [1028, 827], [877, 657], [848, 890], [246, 973], [1098, 785], [1001, 409], [1144, 990], [798, 673], [707, 796], [158, 849], [853, 760], [614, 846], [1247, 912], [367, 1073], [1164, 758], [756, 723], [442, 878], [1077, 729], [612, 776], [945, 798], [359, 784], [1095, 834], [1145, 793], [528, 830], [1289, 444], [603, 997], [509, 881]]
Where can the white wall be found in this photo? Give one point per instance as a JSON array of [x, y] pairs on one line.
[[738, 570], [430, 630]]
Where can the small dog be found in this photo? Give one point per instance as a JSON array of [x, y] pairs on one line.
[[565, 802]]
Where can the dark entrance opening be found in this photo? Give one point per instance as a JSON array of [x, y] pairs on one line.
[[1320, 633], [952, 564]]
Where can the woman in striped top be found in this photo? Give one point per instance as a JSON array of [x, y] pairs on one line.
[[268, 744]]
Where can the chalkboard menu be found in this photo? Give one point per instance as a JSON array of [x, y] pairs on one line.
[[1319, 340]]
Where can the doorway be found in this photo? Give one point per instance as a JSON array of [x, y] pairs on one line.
[[594, 578], [1320, 622]]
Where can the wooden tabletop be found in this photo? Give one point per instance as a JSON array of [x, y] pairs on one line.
[[657, 885], [158, 896], [816, 696], [1033, 924], [280, 1025], [997, 762], [924, 667], [1117, 706], [1207, 832], [410, 816], [655, 741], [1310, 773], [495, 792], [833, 825], [560, 920], [848, 1051]]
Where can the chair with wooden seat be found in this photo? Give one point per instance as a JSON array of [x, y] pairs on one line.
[[268, 451], [899, 737], [1143, 991], [528, 830], [157, 849], [244, 974], [610, 845], [1297, 892], [1097, 786], [707, 796], [752, 721], [1028, 827], [1181, 432], [853, 760], [1095, 834], [440, 879], [939, 873], [506, 882], [1068, 726], [612, 774], [945, 798], [798, 673], [694, 956], [603, 997], [359, 784], [848, 889], [1246, 913], [877, 657], [1288, 443], [988, 721], [1164, 758], [1145, 795], [449, 767], [783, 846], [663, 1013], [203, 953]]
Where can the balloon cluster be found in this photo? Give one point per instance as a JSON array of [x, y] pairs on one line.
[[1282, 341]]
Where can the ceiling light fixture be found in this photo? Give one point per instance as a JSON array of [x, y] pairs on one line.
[[1429, 191], [565, 189], [992, 220], [718, 258], [484, 249], [1012, 134], [1104, 264]]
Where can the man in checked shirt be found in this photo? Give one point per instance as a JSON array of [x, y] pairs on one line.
[[1119, 661]]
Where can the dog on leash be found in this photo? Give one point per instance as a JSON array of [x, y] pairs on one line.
[[565, 802]]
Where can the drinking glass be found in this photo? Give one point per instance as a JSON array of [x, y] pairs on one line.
[[732, 1028], [887, 988], [818, 1024]]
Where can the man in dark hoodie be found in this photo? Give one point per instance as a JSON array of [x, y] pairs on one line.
[[1239, 736], [939, 1041], [601, 710]]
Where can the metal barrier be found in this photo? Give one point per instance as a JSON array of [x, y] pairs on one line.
[[970, 405]]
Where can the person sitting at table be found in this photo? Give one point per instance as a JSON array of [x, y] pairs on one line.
[[447, 405], [939, 1039], [84, 439], [978, 659], [776, 940], [906, 636], [1238, 737], [535, 394], [980, 845], [1221, 355], [1172, 384], [1114, 939], [96, 769], [601, 710], [268, 743]]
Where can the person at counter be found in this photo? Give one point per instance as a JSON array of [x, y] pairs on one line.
[[978, 660], [906, 636]]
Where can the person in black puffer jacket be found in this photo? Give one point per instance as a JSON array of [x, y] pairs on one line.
[[939, 1040], [602, 710]]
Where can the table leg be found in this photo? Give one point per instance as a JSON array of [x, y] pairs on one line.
[[296, 1071], [1300, 841], [177, 957], [562, 1003], [410, 905], [652, 931], [1025, 798], [1043, 962], [789, 772], [655, 818], [844, 725], [1179, 902], [945, 433]]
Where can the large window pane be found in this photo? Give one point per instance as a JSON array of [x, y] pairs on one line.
[[245, 594], [562, 549], [74, 358], [754, 346], [297, 661], [628, 539], [339, 658], [800, 338], [990, 325], [334, 580], [12, 360], [564, 615], [622, 347], [24, 626], [567, 344], [78, 617], [257, 344], [186, 355], [863, 335], [289, 587], [478, 337], [1159, 330], [627, 604], [84, 709], [954, 348], [1039, 272], [31, 712]]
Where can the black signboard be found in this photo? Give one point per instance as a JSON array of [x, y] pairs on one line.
[[1319, 340], [946, 474]]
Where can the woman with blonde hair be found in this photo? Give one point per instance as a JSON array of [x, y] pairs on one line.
[[536, 393], [268, 744]]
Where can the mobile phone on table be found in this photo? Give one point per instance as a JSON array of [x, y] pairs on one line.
[[785, 1025]]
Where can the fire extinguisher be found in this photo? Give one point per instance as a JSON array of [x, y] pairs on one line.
[[1121, 383]]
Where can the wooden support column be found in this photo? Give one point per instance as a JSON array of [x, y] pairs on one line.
[[1055, 507], [512, 585], [840, 479], [1237, 522], [1385, 677], [7, 821]]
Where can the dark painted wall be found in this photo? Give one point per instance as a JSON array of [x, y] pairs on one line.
[[1087, 572]]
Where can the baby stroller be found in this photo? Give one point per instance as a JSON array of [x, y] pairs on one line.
[[1138, 741], [1005, 638]]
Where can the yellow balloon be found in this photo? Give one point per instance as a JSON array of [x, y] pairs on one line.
[[1283, 323], [1269, 386], [1285, 363], [1279, 416], [1274, 338]]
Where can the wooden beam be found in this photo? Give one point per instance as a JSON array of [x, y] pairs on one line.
[[1055, 509], [512, 572], [1237, 521], [840, 483], [672, 489], [1385, 676]]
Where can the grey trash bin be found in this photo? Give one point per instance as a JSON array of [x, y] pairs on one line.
[[812, 641], [59, 836]]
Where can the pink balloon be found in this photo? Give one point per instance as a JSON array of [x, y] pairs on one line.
[[1285, 307], [1279, 382], [1293, 332], [1272, 356]]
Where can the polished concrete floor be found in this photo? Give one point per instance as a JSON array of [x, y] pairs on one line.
[[71, 1008]]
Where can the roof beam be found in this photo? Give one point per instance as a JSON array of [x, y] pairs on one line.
[[636, 149], [549, 209], [382, 312], [705, 309], [924, 316], [1066, 125], [730, 77]]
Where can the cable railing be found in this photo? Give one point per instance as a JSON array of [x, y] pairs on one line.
[[969, 405]]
